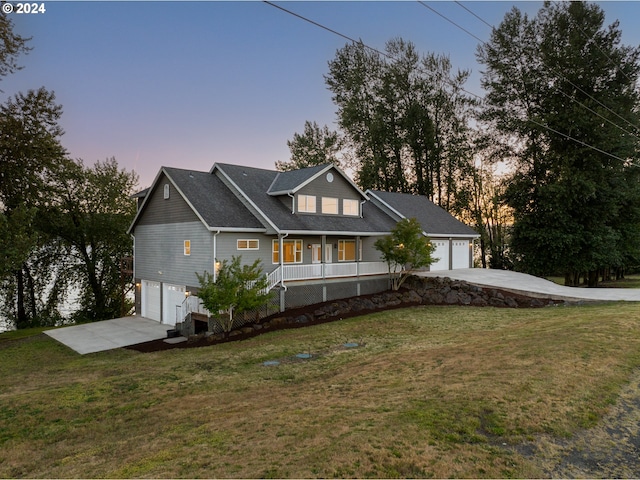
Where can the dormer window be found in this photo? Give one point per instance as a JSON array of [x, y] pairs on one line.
[[307, 203], [350, 207], [330, 205]]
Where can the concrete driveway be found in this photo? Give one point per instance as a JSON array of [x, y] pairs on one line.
[[109, 334], [535, 286]]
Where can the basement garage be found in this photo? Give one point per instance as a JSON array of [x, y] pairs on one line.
[[150, 300]]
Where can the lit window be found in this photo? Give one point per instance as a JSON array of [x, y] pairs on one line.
[[187, 247], [307, 203], [250, 244], [346, 250], [330, 205], [291, 251], [350, 207]]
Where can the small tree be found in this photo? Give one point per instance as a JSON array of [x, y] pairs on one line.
[[236, 289], [405, 250]]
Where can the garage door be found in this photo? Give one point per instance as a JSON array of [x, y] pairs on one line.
[[460, 254], [172, 298], [151, 300], [442, 254]]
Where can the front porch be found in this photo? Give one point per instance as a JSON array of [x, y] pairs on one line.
[[321, 271], [334, 280]]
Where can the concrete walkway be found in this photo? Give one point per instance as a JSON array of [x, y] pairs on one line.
[[109, 334], [535, 286]]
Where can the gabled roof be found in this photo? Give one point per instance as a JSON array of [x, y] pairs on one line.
[[254, 183], [209, 198], [290, 182], [238, 198], [435, 220]]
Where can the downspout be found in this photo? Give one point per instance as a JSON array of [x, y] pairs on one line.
[[361, 205], [293, 203], [215, 252], [281, 237]]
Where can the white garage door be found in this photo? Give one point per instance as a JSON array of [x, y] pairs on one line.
[[442, 254], [460, 254], [151, 300], [172, 298]]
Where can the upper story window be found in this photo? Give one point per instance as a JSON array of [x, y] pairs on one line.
[[350, 207], [307, 203], [330, 205], [166, 191], [248, 244], [187, 247]]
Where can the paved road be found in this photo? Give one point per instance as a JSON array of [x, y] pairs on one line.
[[535, 286]]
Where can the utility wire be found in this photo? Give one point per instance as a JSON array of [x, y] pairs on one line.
[[561, 76], [324, 27], [357, 42], [360, 42]]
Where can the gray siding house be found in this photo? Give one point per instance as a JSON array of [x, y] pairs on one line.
[[313, 230]]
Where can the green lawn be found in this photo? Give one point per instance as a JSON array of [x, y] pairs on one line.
[[630, 281], [434, 392]]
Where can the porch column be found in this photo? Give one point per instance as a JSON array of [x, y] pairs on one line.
[[323, 254]]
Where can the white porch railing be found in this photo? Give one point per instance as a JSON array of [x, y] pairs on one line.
[[331, 270], [192, 304]]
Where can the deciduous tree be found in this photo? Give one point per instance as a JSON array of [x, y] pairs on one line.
[[236, 288], [406, 249]]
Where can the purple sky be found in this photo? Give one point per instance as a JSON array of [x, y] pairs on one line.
[[187, 84]]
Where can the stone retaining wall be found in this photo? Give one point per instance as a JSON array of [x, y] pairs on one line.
[[415, 291]]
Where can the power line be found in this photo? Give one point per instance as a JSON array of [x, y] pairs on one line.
[[360, 42], [356, 42], [561, 76]]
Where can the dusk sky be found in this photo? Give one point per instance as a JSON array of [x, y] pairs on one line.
[[187, 84]]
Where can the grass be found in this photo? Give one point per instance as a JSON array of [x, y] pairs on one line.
[[434, 392], [630, 281]]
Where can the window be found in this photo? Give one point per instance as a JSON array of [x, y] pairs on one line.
[[350, 207], [291, 251], [330, 205], [250, 244], [166, 191], [187, 247], [307, 203], [346, 250]]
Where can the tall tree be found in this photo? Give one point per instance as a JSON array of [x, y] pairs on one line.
[[30, 154], [11, 46], [315, 146], [562, 90], [90, 216], [406, 117]]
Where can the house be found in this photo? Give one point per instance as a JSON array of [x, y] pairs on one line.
[[313, 230]]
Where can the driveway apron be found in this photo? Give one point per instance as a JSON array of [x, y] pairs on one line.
[[109, 334]]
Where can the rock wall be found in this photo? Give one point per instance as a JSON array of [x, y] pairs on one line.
[[415, 291]]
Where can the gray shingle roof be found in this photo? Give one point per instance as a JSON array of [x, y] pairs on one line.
[[255, 183], [288, 181], [434, 219], [213, 200], [221, 207]]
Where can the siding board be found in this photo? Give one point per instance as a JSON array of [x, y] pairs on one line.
[[160, 248], [159, 210]]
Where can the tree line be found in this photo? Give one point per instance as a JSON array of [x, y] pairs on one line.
[[63, 224], [544, 165]]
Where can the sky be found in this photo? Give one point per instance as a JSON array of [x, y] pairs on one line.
[[188, 84]]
